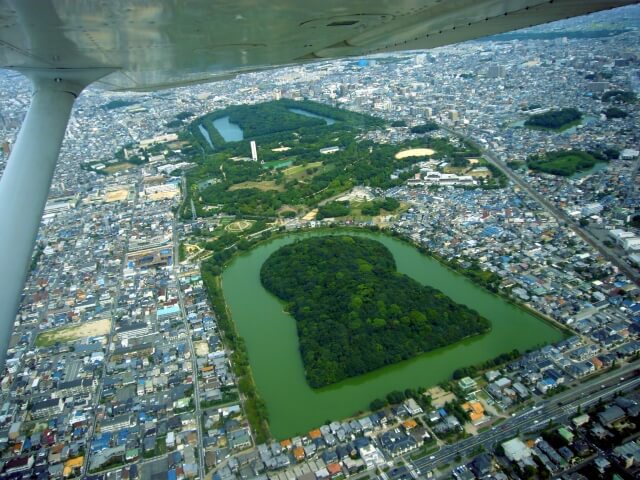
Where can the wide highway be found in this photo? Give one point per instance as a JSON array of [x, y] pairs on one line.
[[556, 409]]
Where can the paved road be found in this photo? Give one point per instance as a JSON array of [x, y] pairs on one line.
[[559, 214], [555, 409], [194, 365], [112, 331]]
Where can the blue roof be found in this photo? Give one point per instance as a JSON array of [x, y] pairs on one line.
[[168, 310], [491, 231]]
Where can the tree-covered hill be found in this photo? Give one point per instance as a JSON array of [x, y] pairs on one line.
[[554, 119], [564, 162], [354, 312]]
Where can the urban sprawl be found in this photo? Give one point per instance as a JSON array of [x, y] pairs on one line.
[[117, 368]]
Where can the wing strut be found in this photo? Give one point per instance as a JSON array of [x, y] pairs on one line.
[[26, 180]]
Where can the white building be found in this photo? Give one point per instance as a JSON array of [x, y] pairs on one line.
[[591, 209], [371, 456], [254, 151], [516, 450], [631, 243]]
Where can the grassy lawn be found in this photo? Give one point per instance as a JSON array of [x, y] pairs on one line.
[[263, 186], [299, 172], [117, 167], [239, 226], [456, 170]]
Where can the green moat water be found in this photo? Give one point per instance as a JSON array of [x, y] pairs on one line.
[[272, 341]]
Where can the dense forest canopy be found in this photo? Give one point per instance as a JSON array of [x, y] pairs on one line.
[[619, 96], [425, 127], [354, 312], [554, 119], [565, 162], [274, 117]]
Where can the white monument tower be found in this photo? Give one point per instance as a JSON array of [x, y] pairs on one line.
[[254, 151]]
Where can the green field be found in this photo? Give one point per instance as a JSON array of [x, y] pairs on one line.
[[296, 170]]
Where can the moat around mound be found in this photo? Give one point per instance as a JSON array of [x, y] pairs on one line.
[[354, 312]]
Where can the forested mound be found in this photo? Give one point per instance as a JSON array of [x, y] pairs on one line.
[[354, 312]]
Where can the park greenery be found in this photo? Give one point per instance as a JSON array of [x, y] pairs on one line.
[[473, 370], [564, 162], [294, 175], [554, 119], [396, 397], [333, 209], [425, 127], [619, 96], [354, 312], [615, 112]]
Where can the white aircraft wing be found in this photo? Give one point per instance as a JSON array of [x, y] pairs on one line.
[[154, 44]]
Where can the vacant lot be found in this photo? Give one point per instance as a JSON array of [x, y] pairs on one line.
[[116, 196], [202, 348], [74, 332], [439, 396]]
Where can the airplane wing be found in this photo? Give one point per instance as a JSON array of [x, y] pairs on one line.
[[152, 44]]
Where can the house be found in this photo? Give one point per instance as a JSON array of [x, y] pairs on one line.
[[239, 438], [298, 454], [371, 455], [334, 469], [475, 411], [566, 434], [19, 464], [396, 442], [516, 450], [73, 466], [611, 415], [117, 423], [628, 453], [47, 408], [482, 465], [412, 407], [467, 384], [580, 420]]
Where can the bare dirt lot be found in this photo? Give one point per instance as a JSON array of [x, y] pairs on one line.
[[415, 152], [74, 332]]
